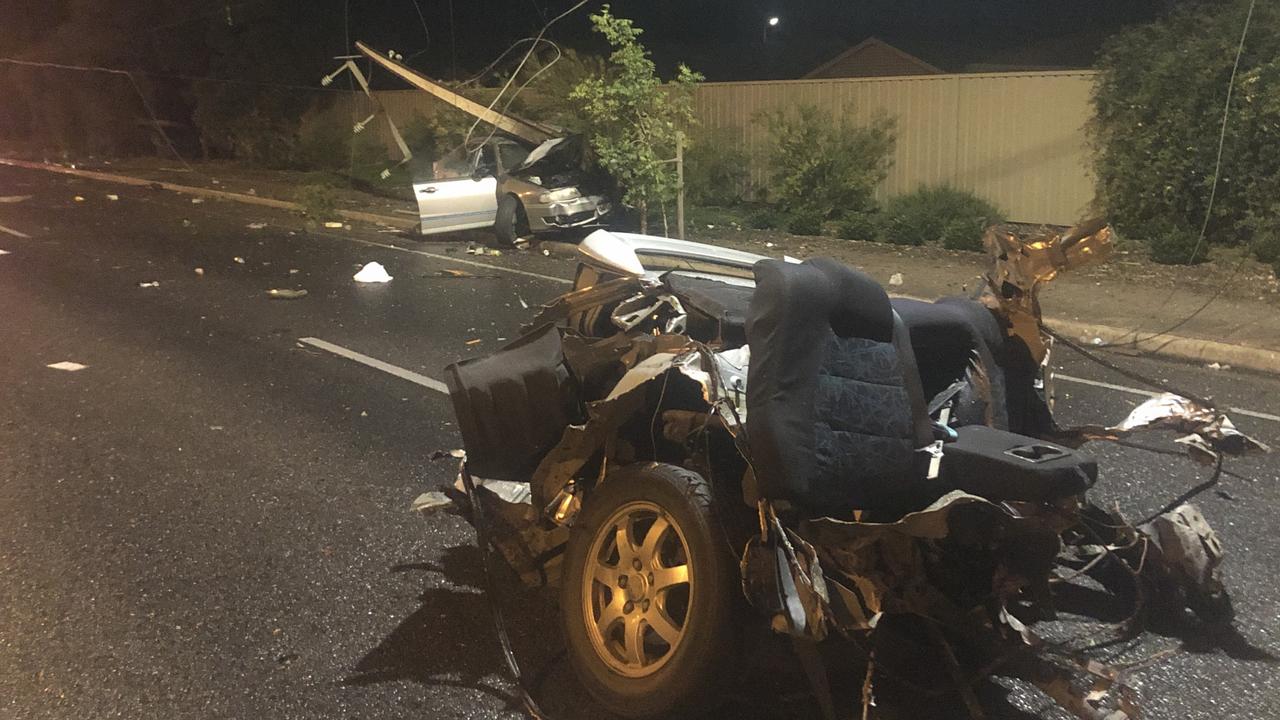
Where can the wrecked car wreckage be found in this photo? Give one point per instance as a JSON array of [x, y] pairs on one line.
[[693, 427]]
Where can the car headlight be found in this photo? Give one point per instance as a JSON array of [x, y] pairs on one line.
[[561, 195]]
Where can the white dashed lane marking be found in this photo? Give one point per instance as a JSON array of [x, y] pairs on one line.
[[13, 232], [1148, 393], [375, 363]]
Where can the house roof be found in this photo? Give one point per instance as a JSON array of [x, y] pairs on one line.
[[1075, 51], [874, 42]]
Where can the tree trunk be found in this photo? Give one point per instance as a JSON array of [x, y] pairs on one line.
[[643, 208]]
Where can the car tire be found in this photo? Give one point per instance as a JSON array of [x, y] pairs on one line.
[[676, 675], [509, 223]]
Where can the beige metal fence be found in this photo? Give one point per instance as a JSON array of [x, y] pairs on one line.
[[1016, 139]]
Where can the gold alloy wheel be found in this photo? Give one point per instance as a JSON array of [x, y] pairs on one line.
[[637, 589]]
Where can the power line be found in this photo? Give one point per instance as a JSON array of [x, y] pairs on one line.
[[1208, 211], [163, 76], [453, 46], [146, 105], [423, 20], [533, 46]]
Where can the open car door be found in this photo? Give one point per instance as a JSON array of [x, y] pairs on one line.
[[463, 196]]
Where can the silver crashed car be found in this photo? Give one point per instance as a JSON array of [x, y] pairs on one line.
[[514, 190]]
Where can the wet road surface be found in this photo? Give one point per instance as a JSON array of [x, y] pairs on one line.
[[210, 520]]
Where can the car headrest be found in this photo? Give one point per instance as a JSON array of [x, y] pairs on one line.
[[853, 304]]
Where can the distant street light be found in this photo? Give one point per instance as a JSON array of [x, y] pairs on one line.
[[770, 23]]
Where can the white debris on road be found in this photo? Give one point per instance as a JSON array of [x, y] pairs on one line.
[[896, 279], [10, 199], [333, 225], [151, 284], [372, 273], [256, 225], [67, 365], [112, 197], [286, 293]]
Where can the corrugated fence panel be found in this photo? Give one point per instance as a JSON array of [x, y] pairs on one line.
[[1016, 139]]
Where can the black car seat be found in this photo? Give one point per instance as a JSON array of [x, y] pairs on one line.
[[953, 339], [836, 416]]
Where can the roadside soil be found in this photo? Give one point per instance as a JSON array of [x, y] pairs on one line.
[[1129, 291]]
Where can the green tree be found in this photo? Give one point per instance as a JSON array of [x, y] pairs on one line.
[[1159, 101], [635, 120]]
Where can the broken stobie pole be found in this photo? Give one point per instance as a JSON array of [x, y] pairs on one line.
[[517, 127]]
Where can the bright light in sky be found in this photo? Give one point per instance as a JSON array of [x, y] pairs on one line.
[[773, 21]]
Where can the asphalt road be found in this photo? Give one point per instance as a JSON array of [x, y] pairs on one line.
[[211, 519]]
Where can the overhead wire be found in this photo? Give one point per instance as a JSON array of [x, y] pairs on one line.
[[423, 19], [146, 104], [516, 73], [163, 76], [1208, 212]]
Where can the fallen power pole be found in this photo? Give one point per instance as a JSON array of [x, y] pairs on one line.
[[526, 130]]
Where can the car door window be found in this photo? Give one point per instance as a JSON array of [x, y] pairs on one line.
[[456, 164]]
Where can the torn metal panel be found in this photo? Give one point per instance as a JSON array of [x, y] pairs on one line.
[[664, 308], [1022, 262], [1210, 433]]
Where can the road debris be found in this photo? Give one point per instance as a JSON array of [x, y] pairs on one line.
[[4, 252], [238, 260], [67, 365], [200, 271], [293, 271], [286, 294], [11, 199], [79, 198], [186, 222], [372, 273], [256, 225], [150, 284], [112, 197], [476, 341], [1218, 366], [196, 200], [252, 191], [896, 279], [333, 225], [429, 503], [482, 250]]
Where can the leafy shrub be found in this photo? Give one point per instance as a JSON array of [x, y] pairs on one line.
[[909, 228], [1158, 102], [319, 202], [955, 217], [859, 226], [1174, 246], [765, 217], [1267, 250], [715, 168], [805, 221], [827, 166], [322, 145], [964, 234]]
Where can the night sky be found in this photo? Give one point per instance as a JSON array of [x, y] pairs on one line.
[[721, 38]]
